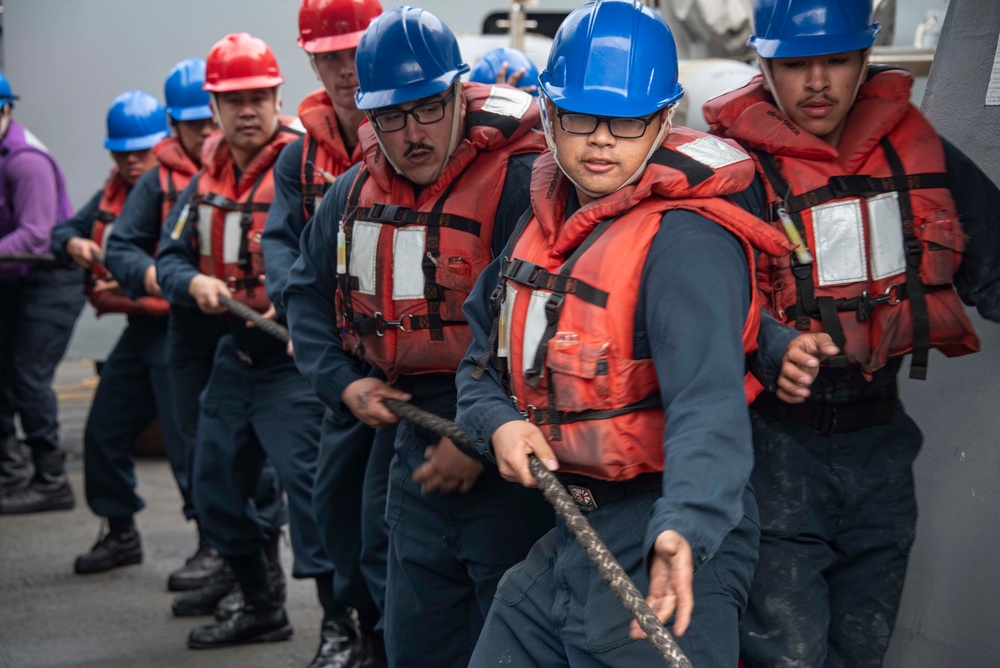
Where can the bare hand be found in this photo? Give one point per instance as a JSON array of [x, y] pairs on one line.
[[206, 290], [512, 443], [670, 575], [83, 251], [514, 78], [364, 398], [269, 314], [290, 349], [149, 282], [800, 365], [447, 469]]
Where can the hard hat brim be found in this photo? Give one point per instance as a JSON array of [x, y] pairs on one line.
[[244, 83], [332, 43], [377, 99], [605, 102], [189, 113], [134, 143], [813, 45]]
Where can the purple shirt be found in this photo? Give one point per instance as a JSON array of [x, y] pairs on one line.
[[33, 198]]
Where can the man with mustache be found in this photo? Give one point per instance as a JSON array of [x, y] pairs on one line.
[[385, 267], [895, 229], [329, 31], [255, 406]]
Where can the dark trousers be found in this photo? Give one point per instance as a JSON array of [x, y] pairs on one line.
[[135, 388], [252, 412], [37, 316], [447, 552], [837, 516], [349, 503], [555, 609]]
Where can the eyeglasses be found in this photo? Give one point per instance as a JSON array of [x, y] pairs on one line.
[[585, 124], [425, 114]]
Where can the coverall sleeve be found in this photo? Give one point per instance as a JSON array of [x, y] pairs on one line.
[[177, 257], [136, 232], [978, 202], [80, 225], [309, 300], [285, 222]]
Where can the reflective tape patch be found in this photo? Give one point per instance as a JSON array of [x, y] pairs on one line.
[[232, 237], [503, 327], [712, 152], [840, 243], [885, 229], [507, 102], [204, 230], [408, 262], [364, 249], [534, 328]]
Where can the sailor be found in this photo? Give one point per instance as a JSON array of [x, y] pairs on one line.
[[40, 306], [896, 229], [385, 267]]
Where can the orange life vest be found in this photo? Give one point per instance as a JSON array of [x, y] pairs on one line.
[[412, 261], [176, 170], [568, 296], [115, 301], [324, 156], [876, 216], [230, 216]]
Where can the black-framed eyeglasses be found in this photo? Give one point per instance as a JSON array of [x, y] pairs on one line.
[[585, 124], [424, 113]]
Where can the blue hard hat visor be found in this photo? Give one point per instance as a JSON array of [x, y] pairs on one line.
[[125, 144], [190, 113], [377, 99], [604, 102], [813, 45]]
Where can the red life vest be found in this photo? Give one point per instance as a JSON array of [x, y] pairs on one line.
[[115, 301], [176, 170], [230, 216], [876, 214], [324, 156], [568, 299], [412, 261]]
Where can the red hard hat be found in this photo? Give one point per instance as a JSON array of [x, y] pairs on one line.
[[240, 61], [333, 25]]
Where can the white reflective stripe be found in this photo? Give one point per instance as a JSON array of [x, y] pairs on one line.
[[205, 230], [712, 152], [33, 141], [503, 327], [408, 262], [106, 235], [535, 323], [885, 229], [364, 249], [507, 102], [840, 243], [233, 236]]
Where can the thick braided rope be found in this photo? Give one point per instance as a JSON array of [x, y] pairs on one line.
[[29, 257], [553, 490], [566, 508], [266, 325]]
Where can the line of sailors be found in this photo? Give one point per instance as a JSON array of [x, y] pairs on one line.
[[591, 294]]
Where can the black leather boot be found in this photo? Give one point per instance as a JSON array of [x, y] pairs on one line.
[[49, 489], [199, 568], [261, 619], [342, 644], [233, 602], [15, 472], [120, 546], [203, 601]]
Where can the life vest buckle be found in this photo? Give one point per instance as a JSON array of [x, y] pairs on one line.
[[381, 324]]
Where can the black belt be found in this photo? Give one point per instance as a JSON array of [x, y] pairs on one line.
[[591, 493], [830, 418]]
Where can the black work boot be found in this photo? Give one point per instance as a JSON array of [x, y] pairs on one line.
[[233, 602], [49, 489], [261, 619], [199, 568], [120, 546], [342, 643], [203, 601], [15, 472]]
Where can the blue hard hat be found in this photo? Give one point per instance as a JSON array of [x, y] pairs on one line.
[[186, 101], [406, 54], [802, 28], [612, 58], [6, 95], [136, 121], [489, 65]]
